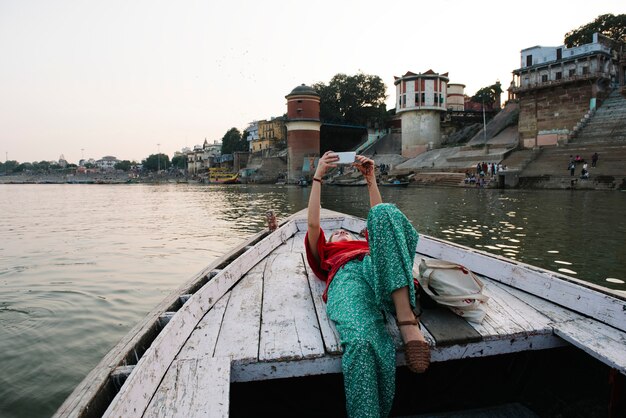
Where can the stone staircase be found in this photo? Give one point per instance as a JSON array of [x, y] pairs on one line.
[[550, 166], [608, 124], [439, 179]]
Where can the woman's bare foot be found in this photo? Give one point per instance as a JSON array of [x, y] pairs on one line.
[[408, 331]]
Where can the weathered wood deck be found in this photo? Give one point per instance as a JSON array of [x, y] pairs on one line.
[[264, 316]]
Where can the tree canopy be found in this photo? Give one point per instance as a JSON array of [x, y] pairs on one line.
[[156, 161], [123, 165], [179, 161], [355, 99], [608, 25], [233, 141], [488, 95]]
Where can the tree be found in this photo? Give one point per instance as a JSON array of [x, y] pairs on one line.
[[357, 99], [9, 166], [232, 141], [122, 165], [488, 95], [179, 161], [156, 161], [608, 25]]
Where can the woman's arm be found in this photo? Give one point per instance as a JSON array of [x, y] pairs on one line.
[[367, 168], [313, 214]]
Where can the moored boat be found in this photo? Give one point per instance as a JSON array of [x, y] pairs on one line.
[[218, 175], [256, 315], [394, 183]]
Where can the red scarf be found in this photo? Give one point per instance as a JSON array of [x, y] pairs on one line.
[[333, 255]]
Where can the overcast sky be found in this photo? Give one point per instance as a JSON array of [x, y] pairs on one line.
[[114, 77]]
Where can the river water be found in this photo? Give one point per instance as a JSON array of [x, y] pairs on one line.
[[80, 265]]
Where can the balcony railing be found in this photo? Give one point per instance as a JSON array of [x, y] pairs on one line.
[[553, 83]]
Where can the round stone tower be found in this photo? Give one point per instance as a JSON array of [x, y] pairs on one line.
[[303, 130], [420, 99]]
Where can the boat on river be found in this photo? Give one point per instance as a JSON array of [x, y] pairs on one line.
[[218, 175], [394, 183], [251, 326]]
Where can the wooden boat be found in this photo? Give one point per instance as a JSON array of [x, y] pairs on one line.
[[395, 183], [218, 175], [256, 315]]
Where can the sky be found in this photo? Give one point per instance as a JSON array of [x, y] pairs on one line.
[[85, 79]]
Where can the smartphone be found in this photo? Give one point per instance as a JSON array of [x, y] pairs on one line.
[[346, 157]]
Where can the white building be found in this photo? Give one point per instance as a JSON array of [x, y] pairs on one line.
[[541, 66], [201, 158], [107, 163], [253, 133]]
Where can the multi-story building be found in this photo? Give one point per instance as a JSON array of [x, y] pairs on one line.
[[253, 133], [270, 133], [107, 163], [201, 157], [556, 86]]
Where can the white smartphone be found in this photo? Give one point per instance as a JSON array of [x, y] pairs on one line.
[[346, 157]]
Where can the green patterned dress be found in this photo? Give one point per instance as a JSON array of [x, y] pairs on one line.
[[357, 297]]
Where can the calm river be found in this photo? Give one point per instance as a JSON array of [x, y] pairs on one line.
[[81, 264]]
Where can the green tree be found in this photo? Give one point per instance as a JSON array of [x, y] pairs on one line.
[[356, 99], [608, 25], [9, 166], [156, 161], [179, 161], [488, 95], [122, 165], [232, 141]]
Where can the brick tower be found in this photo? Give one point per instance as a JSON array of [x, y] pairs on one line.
[[303, 129]]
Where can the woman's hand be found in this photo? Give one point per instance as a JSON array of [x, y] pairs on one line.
[[366, 167], [325, 162]]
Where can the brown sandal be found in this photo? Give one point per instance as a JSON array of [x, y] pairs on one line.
[[416, 352]]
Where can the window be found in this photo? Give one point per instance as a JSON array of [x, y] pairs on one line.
[[585, 70], [572, 72], [423, 98], [559, 75], [559, 53], [544, 78], [529, 60], [417, 99]]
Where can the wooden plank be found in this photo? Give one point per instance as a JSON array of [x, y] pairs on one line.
[[133, 398], [352, 224], [202, 341], [327, 327], [326, 223], [566, 291], [289, 328], [552, 311], [508, 316], [239, 334], [193, 388], [286, 247], [332, 364], [298, 243], [448, 328], [597, 339]]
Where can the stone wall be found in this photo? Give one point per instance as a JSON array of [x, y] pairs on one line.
[[555, 108]]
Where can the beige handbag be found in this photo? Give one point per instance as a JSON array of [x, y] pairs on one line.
[[455, 287]]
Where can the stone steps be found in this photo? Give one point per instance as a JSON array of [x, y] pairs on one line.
[[554, 161], [607, 124]]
